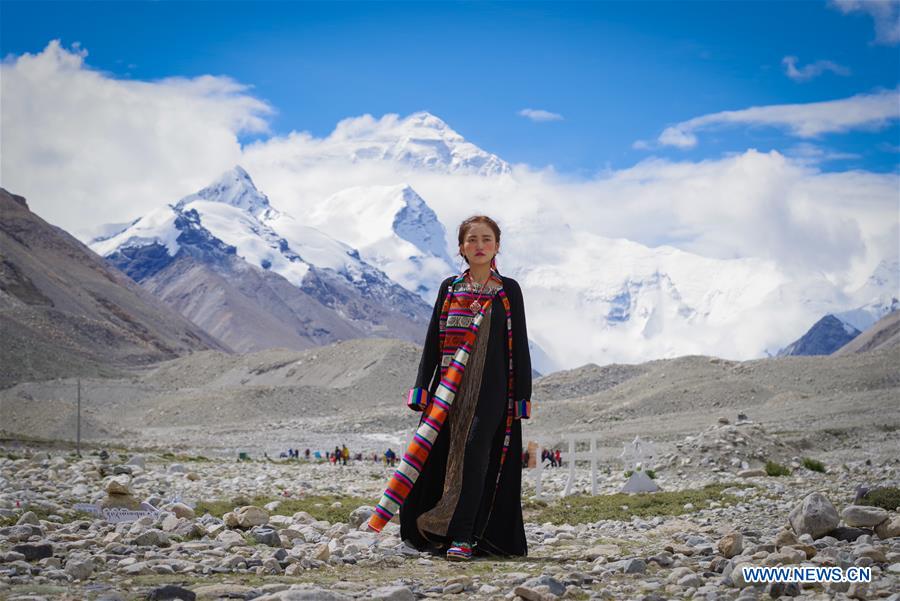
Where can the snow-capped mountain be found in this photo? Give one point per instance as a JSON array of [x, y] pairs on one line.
[[825, 337], [392, 228], [420, 141], [236, 189], [222, 230], [877, 297]]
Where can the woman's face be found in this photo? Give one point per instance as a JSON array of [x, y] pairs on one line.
[[479, 245]]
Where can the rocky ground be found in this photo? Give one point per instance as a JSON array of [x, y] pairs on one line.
[[291, 530], [295, 530]]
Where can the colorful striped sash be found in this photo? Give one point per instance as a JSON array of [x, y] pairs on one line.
[[435, 415]]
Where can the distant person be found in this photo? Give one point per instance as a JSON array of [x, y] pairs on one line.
[[345, 454], [462, 493], [558, 458], [337, 455], [525, 458], [306, 454], [390, 457]]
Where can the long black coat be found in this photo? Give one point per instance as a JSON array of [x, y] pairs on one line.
[[499, 527]]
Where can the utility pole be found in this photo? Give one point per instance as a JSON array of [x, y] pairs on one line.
[[78, 422]]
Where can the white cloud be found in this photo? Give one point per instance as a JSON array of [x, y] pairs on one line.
[[863, 111], [813, 154], [540, 115], [83, 146], [765, 208], [885, 14], [812, 70], [749, 205]]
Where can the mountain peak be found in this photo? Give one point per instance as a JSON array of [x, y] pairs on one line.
[[235, 188], [427, 120], [420, 140]]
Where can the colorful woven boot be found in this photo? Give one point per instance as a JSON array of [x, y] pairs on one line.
[[459, 551]]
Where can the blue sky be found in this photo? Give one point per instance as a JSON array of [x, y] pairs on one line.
[[616, 72]]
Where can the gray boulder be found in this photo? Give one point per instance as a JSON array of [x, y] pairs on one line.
[[80, 567], [391, 593], [815, 515], [361, 515], [863, 516]]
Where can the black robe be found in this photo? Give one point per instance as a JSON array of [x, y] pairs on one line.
[[498, 528]]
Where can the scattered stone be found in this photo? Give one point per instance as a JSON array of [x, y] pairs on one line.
[[784, 589], [230, 538], [679, 573], [229, 591], [79, 567], [454, 588], [28, 518], [752, 473], [731, 544], [151, 538], [815, 516], [873, 553], [607, 551], [321, 552], [137, 461], [889, 528], [531, 594], [848, 534], [120, 485], [361, 515], [34, 552], [737, 575], [858, 590], [785, 537], [182, 511], [171, 592], [250, 515], [635, 566], [690, 580], [554, 586], [391, 593], [266, 536], [863, 516]]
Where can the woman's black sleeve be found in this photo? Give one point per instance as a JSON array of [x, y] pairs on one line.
[[419, 395], [521, 354]]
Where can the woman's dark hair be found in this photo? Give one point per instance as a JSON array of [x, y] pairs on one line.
[[465, 225]]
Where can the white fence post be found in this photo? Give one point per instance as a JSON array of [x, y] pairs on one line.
[[572, 456]]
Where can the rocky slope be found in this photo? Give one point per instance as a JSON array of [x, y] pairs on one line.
[[353, 392], [884, 334], [64, 311]]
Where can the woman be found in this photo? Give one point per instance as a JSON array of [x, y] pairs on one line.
[[459, 483]]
